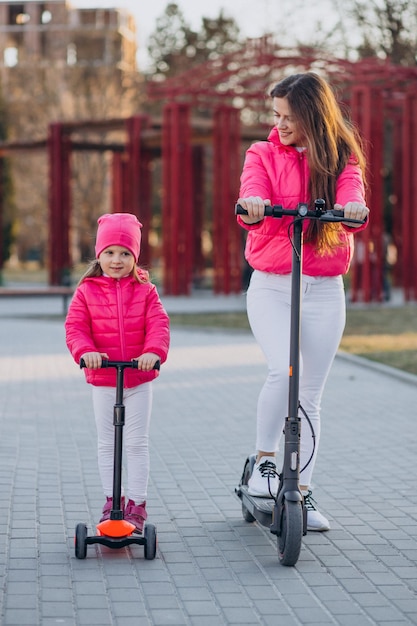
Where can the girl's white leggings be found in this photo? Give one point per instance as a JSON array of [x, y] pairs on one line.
[[138, 405], [323, 316]]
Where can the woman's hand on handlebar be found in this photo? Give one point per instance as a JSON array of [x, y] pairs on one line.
[[255, 206], [354, 211], [93, 360], [147, 361]]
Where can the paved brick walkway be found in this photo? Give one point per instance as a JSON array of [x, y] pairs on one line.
[[212, 568]]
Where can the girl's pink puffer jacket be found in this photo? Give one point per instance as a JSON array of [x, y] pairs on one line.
[[123, 318], [280, 173]]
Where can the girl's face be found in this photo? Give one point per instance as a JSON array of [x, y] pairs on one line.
[[288, 128], [116, 261]]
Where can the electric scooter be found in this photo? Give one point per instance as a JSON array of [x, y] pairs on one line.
[[285, 514], [117, 532]]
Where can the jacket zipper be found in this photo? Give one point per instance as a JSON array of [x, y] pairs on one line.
[[301, 157], [120, 318]]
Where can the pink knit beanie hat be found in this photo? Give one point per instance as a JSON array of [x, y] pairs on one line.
[[118, 229]]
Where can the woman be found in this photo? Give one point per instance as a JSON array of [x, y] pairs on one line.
[[312, 152]]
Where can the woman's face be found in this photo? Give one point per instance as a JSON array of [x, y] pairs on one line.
[[288, 128]]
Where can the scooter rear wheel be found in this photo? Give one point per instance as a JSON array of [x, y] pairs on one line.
[[81, 541], [290, 539], [149, 535]]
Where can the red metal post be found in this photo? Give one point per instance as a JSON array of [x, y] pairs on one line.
[[367, 268], [400, 150], [199, 205], [138, 180], [117, 201], [59, 205], [376, 225], [1, 218], [177, 209], [413, 220], [227, 253], [408, 198]]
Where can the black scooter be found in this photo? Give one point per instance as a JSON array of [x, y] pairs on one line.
[[117, 532], [286, 514]]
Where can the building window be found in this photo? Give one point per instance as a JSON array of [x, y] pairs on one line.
[[22, 18], [46, 17], [71, 54], [15, 10], [11, 57]]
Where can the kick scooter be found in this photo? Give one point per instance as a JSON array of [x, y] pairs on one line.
[[286, 514], [117, 532]]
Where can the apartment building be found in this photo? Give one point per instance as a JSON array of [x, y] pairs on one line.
[[53, 33]]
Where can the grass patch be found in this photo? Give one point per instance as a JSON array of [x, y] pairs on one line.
[[387, 335], [229, 320]]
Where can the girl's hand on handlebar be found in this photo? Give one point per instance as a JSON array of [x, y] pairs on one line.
[[255, 206], [93, 360], [355, 211], [146, 362]]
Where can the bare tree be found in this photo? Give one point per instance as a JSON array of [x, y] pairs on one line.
[[387, 29], [40, 96], [174, 47]]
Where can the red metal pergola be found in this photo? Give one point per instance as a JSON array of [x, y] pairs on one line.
[[179, 141], [232, 92], [380, 96]]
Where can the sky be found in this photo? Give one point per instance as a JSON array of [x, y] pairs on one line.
[[254, 17]]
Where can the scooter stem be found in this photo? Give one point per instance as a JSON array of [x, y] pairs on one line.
[[118, 422], [291, 465]]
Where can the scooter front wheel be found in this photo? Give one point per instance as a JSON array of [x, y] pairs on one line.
[[81, 541], [290, 538], [149, 536]]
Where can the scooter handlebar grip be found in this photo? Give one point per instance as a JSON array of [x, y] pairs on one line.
[[157, 365], [83, 364], [337, 215], [239, 210], [104, 363], [341, 213], [134, 364]]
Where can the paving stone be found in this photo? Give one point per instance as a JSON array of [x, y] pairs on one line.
[[212, 568]]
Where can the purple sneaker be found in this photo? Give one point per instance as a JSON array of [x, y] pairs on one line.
[[136, 515], [108, 507]]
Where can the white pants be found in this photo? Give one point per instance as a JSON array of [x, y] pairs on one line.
[[323, 316], [138, 405]]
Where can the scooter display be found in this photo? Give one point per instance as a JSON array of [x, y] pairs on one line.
[[285, 514], [117, 532]]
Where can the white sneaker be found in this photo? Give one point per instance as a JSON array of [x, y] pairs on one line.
[[315, 520], [264, 480]]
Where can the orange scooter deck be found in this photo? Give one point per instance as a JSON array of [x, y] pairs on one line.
[[115, 528]]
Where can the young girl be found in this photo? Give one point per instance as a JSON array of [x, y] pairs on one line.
[[116, 314], [312, 152]]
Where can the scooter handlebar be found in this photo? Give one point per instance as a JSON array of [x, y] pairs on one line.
[[277, 210], [125, 364]]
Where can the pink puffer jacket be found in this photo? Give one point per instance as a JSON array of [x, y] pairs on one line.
[[280, 173], [123, 318]]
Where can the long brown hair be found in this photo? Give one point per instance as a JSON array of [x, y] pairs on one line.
[[332, 142]]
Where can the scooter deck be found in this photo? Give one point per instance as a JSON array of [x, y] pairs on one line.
[[260, 508]]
